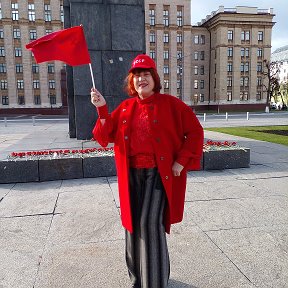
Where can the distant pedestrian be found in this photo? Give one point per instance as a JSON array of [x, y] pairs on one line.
[[157, 138]]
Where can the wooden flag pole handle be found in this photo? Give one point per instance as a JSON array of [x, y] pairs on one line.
[[92, 77]]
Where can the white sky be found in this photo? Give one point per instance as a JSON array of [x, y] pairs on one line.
[[201, 8]]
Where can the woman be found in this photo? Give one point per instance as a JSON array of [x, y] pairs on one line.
[[156, 139]]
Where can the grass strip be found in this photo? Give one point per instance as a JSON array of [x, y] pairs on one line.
[[257, 133]]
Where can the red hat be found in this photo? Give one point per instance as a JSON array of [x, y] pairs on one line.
[[142, 61]]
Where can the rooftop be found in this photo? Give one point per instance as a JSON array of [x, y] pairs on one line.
[[237, 9], [280, 54]]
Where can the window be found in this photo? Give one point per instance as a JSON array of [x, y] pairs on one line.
[[179, 38], [229, 95], [52, 99], [14, 11], [179, 69], [47, 13], [229, 81], [260, 36], [19, 68], [179, 17], [244, 67], [62, 13], [259, 66], [202, 70], [152, 54], [16, 33], [152, 17], [37, 99], [0, 11], [196, 39], [2, 52], [247, 67], [51, 84], [3, 68], [244, 81], [51, 68], [202, 54], [202, 39], [179, 54], [48, 31], [243, 95], [196, 84], [152, 37], [36, 84], [165, 17], [1, 33], [5, 100], [258, 95], [166, 54], [201, 84], [245, 35], [178, 84], [230, 51], [3, 84], [166, 69], [33, 34], [35, 68], [229, 67], [20, 84], [245, 52], [166, 84], [166, 37], [259, 52], [21, 100], [230, 35], [18, 52], [31, 12], [259, 81], [201, 95], [196, 55], [196, 70]]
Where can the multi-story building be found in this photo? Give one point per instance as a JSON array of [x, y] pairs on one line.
[[219, 62], [23, 83], [168, 42], [280, 57], [236, 42]]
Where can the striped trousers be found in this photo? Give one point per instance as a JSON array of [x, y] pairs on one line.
[[147, 255]]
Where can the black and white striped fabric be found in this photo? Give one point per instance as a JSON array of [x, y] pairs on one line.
[[146, 248]]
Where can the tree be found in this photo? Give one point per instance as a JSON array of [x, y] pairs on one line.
[[270, 72]]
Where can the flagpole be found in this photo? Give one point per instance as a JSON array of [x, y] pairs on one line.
[[93, 82]]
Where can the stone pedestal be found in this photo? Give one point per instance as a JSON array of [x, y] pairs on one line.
[[115, 34]]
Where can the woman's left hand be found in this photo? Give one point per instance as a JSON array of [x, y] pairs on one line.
[[177, 168]]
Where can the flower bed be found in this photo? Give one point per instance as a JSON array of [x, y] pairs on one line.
[[59, 164]]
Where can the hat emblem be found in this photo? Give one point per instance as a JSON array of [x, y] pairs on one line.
[[138, 61]]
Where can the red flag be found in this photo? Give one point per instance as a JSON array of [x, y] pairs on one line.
[[68, 45]]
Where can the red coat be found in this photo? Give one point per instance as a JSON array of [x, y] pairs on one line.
[[177, 133]]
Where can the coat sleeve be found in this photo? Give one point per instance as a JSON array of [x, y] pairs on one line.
[[192, 147], [105, 133]]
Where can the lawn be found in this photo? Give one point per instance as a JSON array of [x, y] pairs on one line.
[[274, 134]]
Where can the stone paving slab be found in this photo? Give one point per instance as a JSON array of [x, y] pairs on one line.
[[89, 265], [196, 260], [257, 252], [19, 203], [22, 244]]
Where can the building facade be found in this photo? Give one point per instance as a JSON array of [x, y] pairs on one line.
[[280, 56], [217, 63], [168, 42], [23, 83], [237, 43]]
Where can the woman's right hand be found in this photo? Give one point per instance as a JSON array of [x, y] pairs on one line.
[[96, 98]]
